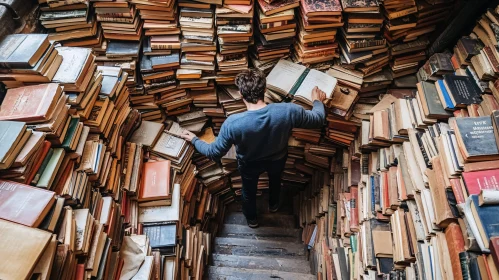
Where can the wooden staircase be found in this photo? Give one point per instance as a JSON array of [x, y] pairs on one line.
[[272, 251]]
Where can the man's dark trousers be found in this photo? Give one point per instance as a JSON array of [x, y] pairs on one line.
[[250, 172]]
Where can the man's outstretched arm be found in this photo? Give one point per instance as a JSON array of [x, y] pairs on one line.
[[313, 118], [215, 150]]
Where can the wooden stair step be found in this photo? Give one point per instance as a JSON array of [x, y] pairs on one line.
[[266, 263], [250, 247], [230, 273]]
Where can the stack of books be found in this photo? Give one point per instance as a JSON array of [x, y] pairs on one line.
[[316, 38], [32, 59], [71, 24], [160, 17], [276, 28], [119, 20], [235, 35]]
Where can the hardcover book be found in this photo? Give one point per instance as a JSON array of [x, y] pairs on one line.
[[155, 183], [21, 248], [277, 6], [481, 180], [289, 78], [486, 219], [147, 134], [31, 104], [462, 90], [432, 106], [476, 138], [24, 204], [22, 50], [321, 8]]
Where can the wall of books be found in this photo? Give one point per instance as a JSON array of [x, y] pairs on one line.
[[95, 183]]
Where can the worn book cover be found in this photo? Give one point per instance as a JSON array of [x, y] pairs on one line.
[[432, 106], [24, 204], [147, 133], [277, 6], [22, 50], [476, 136], [481, 180], [31, 104], [462, 90], [486, 219], [321, 7]]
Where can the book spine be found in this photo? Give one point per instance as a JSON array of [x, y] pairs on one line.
[[464, 260], [297, 84]]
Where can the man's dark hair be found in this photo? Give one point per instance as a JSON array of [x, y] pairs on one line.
[[251, 84]]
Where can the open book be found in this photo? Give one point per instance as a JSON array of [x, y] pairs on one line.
[[288, 78]]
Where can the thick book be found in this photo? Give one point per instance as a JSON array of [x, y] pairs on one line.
[[495, 122], [31, 104], [155, 183], [117, 48], [289, 78], [476, 138], [494, 249], [321, 7], [24, 204], [21, 248], [147, 134], [462, 90], [486, 219], [455, 244], [22, 50]]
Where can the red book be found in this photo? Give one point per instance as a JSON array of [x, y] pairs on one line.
[[30, 104], [23, 204], [321, 7], [80, 271], [155, 183], [457, 190], [455, 244], [39, 160], [481, 180]]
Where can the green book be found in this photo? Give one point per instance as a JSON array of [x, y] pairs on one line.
[[42, 167], [51, 169], [72, 129]]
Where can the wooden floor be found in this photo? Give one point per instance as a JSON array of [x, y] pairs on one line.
[[271, 251]]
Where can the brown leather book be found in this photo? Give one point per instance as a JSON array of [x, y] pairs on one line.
[[155, 184], [481, 165], [31, 104], [494, 250], [24, 204], [147, 134], [455, 243], [20, 247]]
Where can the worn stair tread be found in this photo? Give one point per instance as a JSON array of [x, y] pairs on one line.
[[230, 273], [261, 233], [250, 247], [256, 262], [264, 220]]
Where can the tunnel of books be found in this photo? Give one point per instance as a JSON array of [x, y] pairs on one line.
[[401, 182]]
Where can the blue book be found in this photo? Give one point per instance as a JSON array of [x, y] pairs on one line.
[[486, 219], [445, 94]]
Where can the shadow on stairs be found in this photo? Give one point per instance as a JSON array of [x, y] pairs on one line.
[[272, 251]]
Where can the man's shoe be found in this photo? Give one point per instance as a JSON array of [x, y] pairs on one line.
[[274, 208], [253, 223]]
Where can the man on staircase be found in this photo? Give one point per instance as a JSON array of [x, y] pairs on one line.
[[260, 136]]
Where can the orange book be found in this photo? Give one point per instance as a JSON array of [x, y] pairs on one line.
[[23, 204], [80, 271], [155, 184], [455, 243]]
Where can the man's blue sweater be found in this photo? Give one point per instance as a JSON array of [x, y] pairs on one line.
[[262, 134]]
